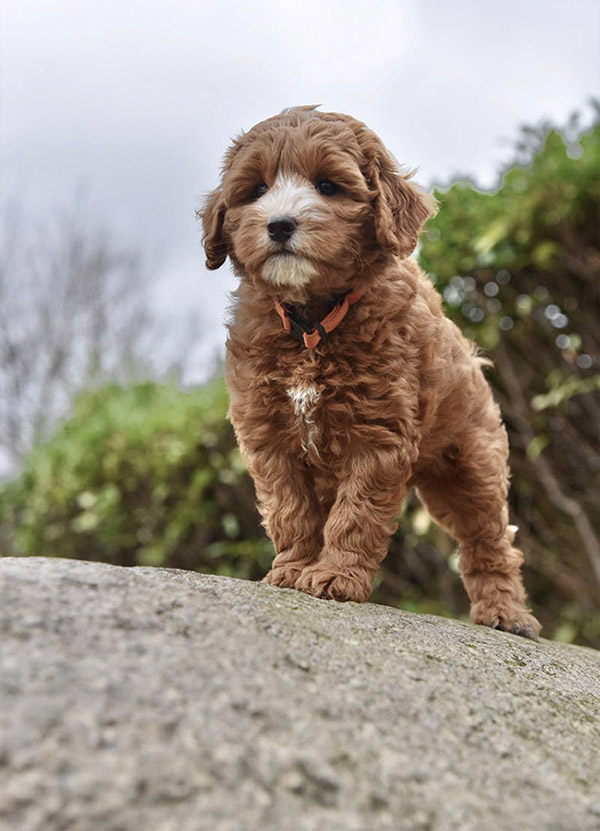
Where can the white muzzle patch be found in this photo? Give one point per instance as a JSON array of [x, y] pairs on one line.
[[296, 198]]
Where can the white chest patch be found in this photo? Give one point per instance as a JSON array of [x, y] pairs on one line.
[[305, 398]]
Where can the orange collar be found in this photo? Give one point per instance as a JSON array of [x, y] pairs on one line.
[[303, 332]]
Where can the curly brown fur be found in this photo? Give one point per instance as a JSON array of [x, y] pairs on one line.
[[393, 398]]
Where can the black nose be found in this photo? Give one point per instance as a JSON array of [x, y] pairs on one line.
[[282, 228]]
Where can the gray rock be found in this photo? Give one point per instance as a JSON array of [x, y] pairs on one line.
[[136, 699]]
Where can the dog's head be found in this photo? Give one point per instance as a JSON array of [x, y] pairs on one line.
[[308, 201]]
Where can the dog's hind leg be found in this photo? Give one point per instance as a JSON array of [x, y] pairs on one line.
[[467, 496]]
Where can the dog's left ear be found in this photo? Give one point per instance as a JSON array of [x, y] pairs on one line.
[[401, 208], [212, 216]]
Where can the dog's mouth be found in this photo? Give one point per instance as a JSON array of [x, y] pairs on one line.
[[283, 252]]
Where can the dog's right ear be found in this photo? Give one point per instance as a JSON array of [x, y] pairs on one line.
[[213, 240]]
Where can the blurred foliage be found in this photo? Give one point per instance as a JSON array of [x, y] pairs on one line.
[[140, 475], [150, 475]]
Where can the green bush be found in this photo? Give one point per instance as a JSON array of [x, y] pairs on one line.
[[141, 475]]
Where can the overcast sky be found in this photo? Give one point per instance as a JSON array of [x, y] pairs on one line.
[[134, 101]]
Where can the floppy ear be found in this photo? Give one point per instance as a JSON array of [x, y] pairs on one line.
[[212, 216], [400, 207]]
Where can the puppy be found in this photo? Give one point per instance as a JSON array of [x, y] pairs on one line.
[[348, 386]]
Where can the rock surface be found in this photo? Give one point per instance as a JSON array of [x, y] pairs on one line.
[[136, 699]]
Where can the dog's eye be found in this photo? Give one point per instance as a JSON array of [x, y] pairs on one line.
[[326, 187], [259, 190]]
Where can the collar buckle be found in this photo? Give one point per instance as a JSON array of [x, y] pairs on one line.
[[298, 327]]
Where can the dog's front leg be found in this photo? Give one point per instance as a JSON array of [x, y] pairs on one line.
[[359, 526], [292, 514]]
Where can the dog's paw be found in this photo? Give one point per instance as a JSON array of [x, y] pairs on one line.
[[518, 621], [284, 576], [321, 581]]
